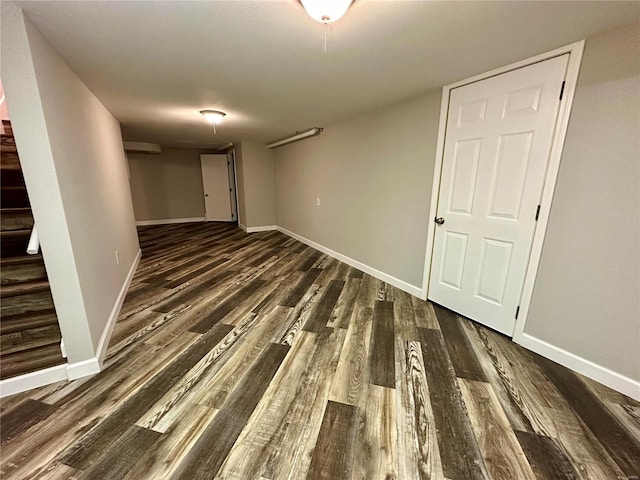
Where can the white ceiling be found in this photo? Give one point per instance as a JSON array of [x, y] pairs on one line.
[[154, 64]]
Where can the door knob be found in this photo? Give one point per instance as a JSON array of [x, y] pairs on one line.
[[439, 220]]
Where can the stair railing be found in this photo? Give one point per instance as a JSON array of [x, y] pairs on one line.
[[34, 242]]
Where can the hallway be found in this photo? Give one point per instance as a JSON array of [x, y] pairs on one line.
[[253, 356]]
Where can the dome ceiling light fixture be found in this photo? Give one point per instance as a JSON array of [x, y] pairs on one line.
[[214, 117], [326, 12]]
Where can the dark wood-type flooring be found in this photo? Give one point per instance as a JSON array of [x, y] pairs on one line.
[[256, 357]]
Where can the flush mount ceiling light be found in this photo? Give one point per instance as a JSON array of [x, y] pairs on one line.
[[326, 11], [214, 117]]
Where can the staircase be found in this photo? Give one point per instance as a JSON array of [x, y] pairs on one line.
[[29, 331]]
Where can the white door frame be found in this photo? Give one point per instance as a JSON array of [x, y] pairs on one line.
[[231, 169], [227, 188], [575, 57], [232, 152]]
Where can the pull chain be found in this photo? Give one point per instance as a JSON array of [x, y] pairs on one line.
[[325, 20], [214, 129], [325, 37]]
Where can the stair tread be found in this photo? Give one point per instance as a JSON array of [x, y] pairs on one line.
[[20, 260], [26, 361], [10, 163], [15, 233], [5, 148], [27, 320], [23, 288], [15, 211], [30, 338], [16, 227]]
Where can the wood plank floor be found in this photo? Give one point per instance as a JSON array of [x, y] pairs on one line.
[[256, 357]]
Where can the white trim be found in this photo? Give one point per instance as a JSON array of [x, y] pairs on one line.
[[94, 365], [573, 48], [28, 381], [235, 180], [71, 371], [242, 227], [575, 57], [101, 349], [596, 372], [571, 79], [83, 368], [33, 247], [581, 365], [166, 221], [435, 191], [232, 153], [263, 228], [402, 285]]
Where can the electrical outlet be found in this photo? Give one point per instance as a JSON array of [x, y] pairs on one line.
[[318, 202], [117, 257]]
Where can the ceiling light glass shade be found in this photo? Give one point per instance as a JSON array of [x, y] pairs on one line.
[[326, 11], [213, 116]]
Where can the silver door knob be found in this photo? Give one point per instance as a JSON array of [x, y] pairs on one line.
[[439, 220]]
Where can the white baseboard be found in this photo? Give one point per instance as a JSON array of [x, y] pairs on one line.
[[396, 282], [263, 228], [83, 368], [94, 365], [166, 221], [101, 350], [71, 371], [611, 379], [28, 381]]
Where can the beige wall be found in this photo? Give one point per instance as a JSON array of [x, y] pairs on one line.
[[373, 175], [255, 172], [586, 296], [167, 185], [74, 166]]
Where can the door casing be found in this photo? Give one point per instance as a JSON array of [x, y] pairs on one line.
[[575, 51], [231, 162], [224, 193]]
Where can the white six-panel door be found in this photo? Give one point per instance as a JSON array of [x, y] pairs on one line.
[[498, 139], [215, 180]]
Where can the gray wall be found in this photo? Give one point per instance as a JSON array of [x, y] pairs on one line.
[[73, 160], [373, 175], [586, 296], [167, 185], [255, 172]]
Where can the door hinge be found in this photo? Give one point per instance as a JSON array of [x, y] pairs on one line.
[[537, 213], [517, 311], [230, 189], [562, 90]]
